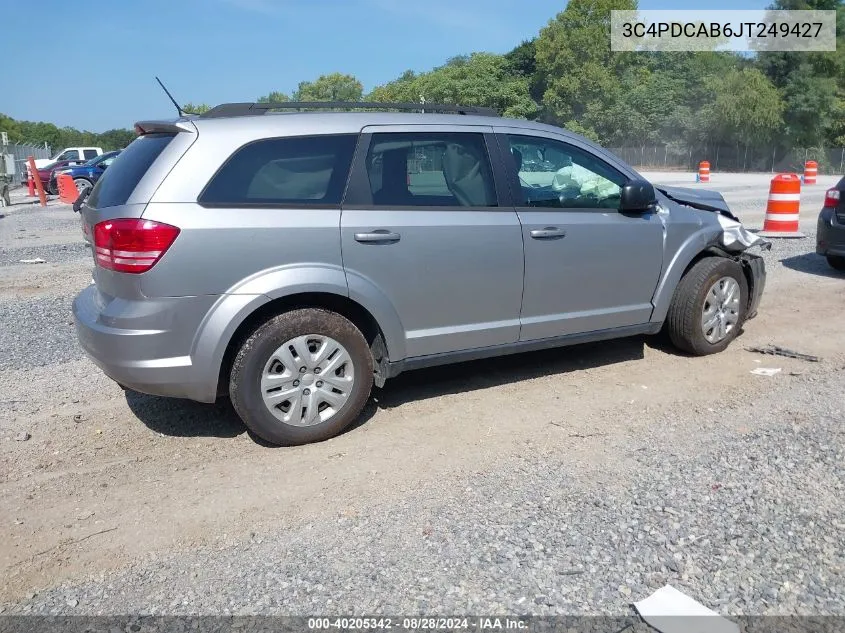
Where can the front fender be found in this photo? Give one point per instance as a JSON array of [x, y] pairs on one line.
[[705, 236]]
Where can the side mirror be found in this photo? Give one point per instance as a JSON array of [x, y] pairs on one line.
[[637, 195]]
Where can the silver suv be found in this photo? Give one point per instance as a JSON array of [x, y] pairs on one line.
[[292, 260]]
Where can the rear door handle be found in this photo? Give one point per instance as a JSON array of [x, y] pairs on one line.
[[548, 233], [379, 236]]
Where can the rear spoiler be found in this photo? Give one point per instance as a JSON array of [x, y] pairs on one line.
[[164, 127]]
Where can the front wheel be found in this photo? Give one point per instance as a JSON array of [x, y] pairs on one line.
[[709, 306], [81, 184], [302, 377], [837, 262]]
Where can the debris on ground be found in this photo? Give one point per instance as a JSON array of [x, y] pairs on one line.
[[776, 350], [37, 260], [766, 371], [23, 437], [671, 611]]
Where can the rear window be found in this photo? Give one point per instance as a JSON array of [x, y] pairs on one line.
[[300, 171], [123, 175]]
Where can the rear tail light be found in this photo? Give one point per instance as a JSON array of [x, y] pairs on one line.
[[131, 245], [831, 198]]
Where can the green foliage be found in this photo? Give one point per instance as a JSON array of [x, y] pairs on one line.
[[334, 87], [57, 138], [569, 76], [274, 97], [480, 79], [198, 108], [573, 52]]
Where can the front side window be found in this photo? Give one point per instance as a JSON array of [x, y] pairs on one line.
[[71, 154], [554, 174], [430, 169], [302, 171]]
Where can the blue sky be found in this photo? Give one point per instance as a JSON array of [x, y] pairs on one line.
[[214, 51]]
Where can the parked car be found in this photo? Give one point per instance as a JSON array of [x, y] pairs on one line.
[[830, 232], [264, 257], [45, 173], [76, 154], [87, 174]]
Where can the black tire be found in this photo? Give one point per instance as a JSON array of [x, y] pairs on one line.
[[245, 378], [837, 262], [683, 321]]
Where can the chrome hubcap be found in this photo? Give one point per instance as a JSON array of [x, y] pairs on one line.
[[80, 185], [307, 380], [721, 310]]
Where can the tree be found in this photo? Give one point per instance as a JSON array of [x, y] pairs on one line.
[[198, 108], [333, 87], [747, 108], [812, 84], [274, 97], [573, 51], [482, 79]]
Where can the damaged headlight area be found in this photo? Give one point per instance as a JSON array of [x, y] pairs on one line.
[[736, 238]]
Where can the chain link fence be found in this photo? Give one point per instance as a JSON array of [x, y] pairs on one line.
[[19, 153], [733, 158]]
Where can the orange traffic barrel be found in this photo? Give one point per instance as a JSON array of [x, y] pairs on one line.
[[703, 171], [782, 208], [811, 170], [68, 192]]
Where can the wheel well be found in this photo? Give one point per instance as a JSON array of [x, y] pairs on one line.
[[713, 251], [344, 306]]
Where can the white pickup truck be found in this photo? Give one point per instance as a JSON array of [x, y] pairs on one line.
[[78, 154]]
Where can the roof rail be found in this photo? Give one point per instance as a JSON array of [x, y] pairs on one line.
[[247, 109]]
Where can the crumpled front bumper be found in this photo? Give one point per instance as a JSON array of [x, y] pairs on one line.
[[755, 272]]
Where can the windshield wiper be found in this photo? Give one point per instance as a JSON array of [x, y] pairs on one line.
[[77, 204]]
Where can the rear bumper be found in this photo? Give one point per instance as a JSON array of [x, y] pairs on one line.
[[830, 234], [145, 345]]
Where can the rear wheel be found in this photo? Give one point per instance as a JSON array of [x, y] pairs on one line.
[[709, 306], [302, 377], [836, 262], [81, 184]]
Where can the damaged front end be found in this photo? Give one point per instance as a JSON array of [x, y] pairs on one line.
[[733, 240]]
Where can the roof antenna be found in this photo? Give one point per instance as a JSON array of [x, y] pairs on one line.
[[167, 92]]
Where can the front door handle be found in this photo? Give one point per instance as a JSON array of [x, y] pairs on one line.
[[379, 236], [548, 233]]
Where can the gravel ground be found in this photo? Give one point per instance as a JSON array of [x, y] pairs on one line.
[[558, 483], [39, 332], [751, 524], [50, 253]]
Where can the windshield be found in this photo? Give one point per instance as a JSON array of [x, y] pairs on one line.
[[98, 159]]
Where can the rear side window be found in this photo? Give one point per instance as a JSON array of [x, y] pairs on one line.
[[300, 171], [89, 153], [430, 169], [123, 175]]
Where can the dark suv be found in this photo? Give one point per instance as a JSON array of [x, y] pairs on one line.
[[830, 233]]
